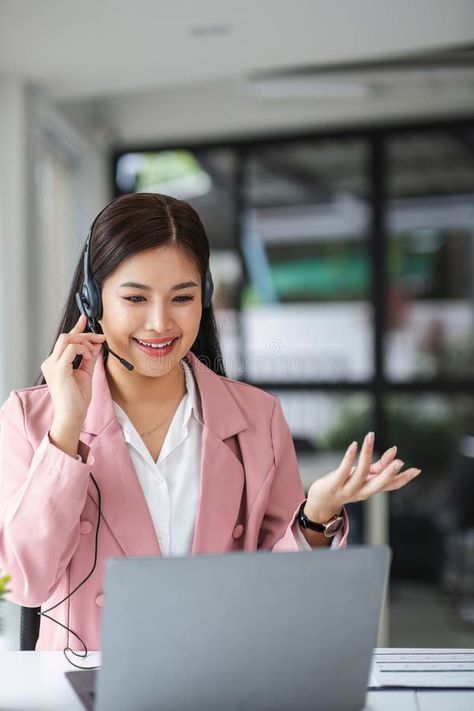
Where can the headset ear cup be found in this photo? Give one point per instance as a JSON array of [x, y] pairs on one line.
[[208, 290], [89, 301], [95, 300]]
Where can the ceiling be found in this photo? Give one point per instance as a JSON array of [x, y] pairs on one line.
[[106, 47], [137, 68]]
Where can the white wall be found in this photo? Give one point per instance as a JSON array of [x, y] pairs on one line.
[[32, 280], [14, 221]]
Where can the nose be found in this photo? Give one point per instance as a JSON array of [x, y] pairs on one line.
[[159, 318]]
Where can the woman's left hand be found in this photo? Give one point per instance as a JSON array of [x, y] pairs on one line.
[[348, 483]]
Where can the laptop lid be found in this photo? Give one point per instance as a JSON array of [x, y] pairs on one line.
[[242, 630]]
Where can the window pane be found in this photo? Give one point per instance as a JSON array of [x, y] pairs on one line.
[[305, 248], [204, 178], [431, 256], [432, 519]]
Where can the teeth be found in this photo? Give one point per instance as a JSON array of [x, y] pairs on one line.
[[155, 345]]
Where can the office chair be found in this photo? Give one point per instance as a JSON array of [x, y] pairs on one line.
[[29, 628]]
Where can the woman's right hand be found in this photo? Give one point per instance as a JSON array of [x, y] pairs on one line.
[[71, 389]]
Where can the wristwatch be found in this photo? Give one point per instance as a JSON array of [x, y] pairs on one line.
[[329, 529]]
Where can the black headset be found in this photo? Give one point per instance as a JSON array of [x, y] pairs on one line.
[[89, 302]]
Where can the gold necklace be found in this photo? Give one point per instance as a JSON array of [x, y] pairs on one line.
[[144, 434]]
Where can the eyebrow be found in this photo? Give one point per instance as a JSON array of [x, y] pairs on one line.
[[176, 287]]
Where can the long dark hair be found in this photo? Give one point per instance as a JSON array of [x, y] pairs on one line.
[[133, 223]]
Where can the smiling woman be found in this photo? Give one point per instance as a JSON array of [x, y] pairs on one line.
[[167, 456]]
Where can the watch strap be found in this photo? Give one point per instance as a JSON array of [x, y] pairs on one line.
[[305, 522]]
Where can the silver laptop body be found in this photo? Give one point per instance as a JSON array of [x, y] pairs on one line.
[[245, 631]]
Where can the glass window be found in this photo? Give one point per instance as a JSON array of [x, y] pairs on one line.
[[304, 243], [431, 256], [205, 178], [430, 520]]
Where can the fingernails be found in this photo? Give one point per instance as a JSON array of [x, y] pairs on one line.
[[416, 472], [370, 437], [398, 464]]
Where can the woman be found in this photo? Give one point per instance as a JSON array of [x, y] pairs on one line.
[[177, 457]]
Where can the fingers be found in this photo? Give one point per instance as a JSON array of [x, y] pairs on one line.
[[366, 479], [363, 466], [378, 466], [390, 479], [384, 461], [76, 336], [89, 360], [80, 324], [89, 354], [401, 479], [345, 468], [71, 351], [80, 340]]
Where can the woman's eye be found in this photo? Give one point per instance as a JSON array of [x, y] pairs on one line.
[[178, 299]]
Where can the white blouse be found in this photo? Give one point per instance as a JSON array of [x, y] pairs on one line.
[[171, 483]]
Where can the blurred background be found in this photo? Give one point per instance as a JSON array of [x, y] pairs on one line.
[[329, 149]]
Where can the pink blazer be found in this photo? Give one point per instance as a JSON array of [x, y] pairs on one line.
[[250, 494]]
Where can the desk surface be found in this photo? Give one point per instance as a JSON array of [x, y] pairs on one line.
[[34, 681]]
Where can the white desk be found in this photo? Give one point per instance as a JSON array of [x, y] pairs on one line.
[[34, 681]]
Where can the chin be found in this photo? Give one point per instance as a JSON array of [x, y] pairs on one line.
[[158, 365]]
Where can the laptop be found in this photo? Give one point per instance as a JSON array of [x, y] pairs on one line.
[[252, 631]]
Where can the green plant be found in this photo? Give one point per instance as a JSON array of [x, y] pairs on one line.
[[3, 582]]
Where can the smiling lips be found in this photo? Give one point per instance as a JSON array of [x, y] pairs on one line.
[[156, 346]]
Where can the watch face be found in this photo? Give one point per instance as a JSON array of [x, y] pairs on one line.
[[334, 526]]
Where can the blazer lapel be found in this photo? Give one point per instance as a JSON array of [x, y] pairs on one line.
[[123, 504], [222, 473]]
